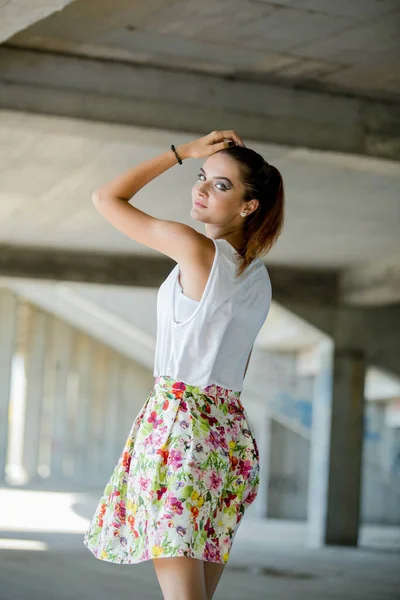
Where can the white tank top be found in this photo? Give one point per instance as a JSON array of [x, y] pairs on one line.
[[184, 306], [211, 341]]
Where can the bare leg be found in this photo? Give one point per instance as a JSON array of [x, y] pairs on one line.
[[181, 578], [212, 573]]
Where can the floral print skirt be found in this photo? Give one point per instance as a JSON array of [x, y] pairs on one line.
[[187, 473]]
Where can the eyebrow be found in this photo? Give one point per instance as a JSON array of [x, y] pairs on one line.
[[217, 177]]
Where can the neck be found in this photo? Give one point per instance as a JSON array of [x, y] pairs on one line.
[[235, 238]]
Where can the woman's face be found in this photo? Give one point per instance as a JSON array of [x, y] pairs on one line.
[[217, 197]]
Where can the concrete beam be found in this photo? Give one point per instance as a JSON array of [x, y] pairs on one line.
[[374, 283], [19, 14], [122, 92], [374, 329], [313, 287], [88, 267]]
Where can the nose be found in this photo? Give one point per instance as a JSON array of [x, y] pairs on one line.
[[201, 188]]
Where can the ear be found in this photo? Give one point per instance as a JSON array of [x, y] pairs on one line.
[[252, 205]]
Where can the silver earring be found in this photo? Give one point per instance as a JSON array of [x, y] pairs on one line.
[[243, 214]]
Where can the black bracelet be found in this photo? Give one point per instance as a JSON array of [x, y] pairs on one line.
[[178, 158]]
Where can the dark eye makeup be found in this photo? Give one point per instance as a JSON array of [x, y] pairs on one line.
[[223, 187]]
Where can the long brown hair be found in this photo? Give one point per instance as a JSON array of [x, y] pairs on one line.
[[264, 183]]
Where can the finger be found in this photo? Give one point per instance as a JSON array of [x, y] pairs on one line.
[[220, 146], [231, 134], [216, 136]]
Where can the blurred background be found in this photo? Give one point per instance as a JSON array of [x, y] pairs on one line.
[[89, 88]]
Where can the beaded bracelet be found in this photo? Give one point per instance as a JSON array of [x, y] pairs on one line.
[[178, 158]]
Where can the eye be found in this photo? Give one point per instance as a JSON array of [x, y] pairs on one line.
[[200, 175], [223, 187]]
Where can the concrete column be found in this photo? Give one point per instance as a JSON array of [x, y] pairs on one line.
[[73, 408], [83, 356], [62, 347], [113, 413], [95, 441], [8, 335], [129, 407], [320, 446], [345, 460], [34, 374], [264, 438], [336, 447]]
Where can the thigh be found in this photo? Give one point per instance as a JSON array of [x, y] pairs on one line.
[[181, 578], [212, 573]]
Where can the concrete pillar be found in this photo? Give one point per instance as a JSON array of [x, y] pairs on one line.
[[129, 410], [61, 354], [113, 415], [73, 408], [8, 335], [264, 439], [34, 363], [345, 461], [95, 441], [83, 366], [320, 446], [336, 447]]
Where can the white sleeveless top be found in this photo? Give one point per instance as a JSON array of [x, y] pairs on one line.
[[184, 306], [208, 342]]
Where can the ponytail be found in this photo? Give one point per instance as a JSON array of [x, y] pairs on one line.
[[264, 183]]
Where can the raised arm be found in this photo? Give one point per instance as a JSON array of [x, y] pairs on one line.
[[174, 239]]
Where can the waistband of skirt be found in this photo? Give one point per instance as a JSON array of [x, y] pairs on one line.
[[213, 391]]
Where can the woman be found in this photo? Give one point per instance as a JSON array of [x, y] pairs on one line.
[[190, 465]]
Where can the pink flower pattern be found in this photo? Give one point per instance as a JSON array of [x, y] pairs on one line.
[[187, 473]]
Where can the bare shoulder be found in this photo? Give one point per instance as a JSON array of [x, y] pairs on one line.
[[195, 254], [182, 243]]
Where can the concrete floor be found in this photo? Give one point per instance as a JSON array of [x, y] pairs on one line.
[[268, 560]]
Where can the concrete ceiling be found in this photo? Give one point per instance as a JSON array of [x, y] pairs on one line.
[[347, 45], [16, 15], [341, 211], [300, 73]]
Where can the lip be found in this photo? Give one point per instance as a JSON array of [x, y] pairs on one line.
[[199, 204]]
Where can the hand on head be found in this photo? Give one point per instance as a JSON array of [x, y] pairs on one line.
[[211, 143]]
